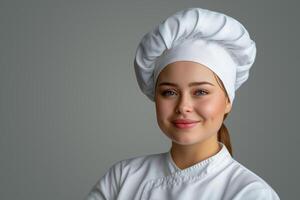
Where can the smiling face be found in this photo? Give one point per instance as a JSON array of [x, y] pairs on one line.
[[188, 90]]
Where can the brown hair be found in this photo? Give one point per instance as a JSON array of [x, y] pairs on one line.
[[223, 133]]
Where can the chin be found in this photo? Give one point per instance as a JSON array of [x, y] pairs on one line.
[[185, 139], [185, 142]]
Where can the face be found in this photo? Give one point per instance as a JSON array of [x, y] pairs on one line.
[[189, 91]]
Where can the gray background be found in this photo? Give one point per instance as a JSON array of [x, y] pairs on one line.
[[70, 106]]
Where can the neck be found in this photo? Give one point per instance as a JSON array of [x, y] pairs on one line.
[[185, 156]]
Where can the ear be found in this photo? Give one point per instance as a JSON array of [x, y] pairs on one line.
[[228, 106]]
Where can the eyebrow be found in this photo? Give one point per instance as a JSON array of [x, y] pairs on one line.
[[190, 84]]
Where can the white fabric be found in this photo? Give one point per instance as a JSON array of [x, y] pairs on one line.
[[233, 48], [157, 177]]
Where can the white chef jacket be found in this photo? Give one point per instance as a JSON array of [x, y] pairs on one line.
[[157, 177]]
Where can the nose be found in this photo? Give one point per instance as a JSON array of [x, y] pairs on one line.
[[184, 104]]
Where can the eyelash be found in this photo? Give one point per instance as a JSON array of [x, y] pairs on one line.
[[164, 93]]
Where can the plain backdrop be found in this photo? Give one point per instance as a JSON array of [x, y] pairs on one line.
[[70, 105]]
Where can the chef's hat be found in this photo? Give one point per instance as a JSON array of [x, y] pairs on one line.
[[212, 39]]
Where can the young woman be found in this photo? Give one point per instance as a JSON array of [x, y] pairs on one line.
[[190, 65]]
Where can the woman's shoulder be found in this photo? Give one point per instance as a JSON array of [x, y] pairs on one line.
[[245, 181], [127, 170]]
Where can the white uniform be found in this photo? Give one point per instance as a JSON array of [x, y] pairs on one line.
[[157, 177]]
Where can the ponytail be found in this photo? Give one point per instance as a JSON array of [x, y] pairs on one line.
[[223, 136]]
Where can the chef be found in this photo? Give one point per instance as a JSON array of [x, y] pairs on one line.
[[190, 66]]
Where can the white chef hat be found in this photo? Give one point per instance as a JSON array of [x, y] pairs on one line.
[[212, 39]]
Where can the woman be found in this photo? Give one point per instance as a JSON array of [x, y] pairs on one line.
[[190, 65]]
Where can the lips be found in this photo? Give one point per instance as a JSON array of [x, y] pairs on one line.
[[185, 123]]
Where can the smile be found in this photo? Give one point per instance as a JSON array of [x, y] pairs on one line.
[[185, 125]]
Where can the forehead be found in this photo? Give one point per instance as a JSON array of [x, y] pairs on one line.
[[183, 72]]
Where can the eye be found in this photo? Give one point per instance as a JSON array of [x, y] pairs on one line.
[[201, 92], [168, 93]]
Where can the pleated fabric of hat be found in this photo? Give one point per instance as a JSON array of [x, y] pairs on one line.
[[210, 38]]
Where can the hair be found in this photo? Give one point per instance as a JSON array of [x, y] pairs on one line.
[[223, 133]]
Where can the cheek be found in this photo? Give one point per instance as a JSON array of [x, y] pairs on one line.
[[211, 108], [163, 112], [163, 108]]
